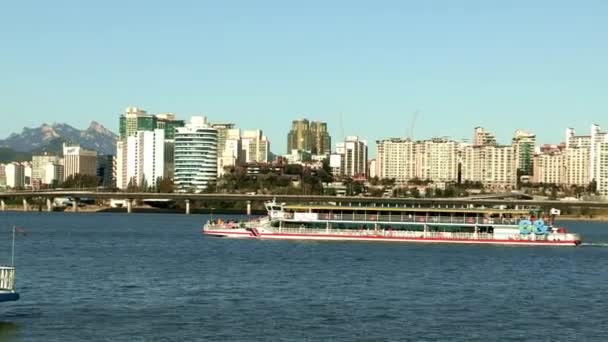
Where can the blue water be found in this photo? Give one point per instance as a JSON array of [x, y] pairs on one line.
[[153, 277]]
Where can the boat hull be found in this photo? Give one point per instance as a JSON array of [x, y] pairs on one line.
[[8, 296], [342, 237]]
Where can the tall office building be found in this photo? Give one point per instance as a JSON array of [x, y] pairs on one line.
[[77, 160], [195, 156], [255, 145], [2, 175], [223, 131], [321, 140], [309, 136], [350, 158], [168, 123], [232, 153], [299, 137], [105, 170]]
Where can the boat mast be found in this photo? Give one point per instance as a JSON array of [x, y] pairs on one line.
[[13, 249]]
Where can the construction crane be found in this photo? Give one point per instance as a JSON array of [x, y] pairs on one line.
[[410, 133]]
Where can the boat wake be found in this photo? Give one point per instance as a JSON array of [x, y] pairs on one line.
[[594, 244]]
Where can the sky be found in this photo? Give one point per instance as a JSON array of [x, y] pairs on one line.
[[364, 67]]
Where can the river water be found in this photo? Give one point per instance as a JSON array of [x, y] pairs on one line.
[[154, 277]]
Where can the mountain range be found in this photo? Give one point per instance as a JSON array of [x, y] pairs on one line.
[[50, 137]]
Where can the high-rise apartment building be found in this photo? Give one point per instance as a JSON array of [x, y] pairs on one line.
[[14, 173], [403, 159], [145, 158], [481, 137], [549, 165], [601, 150], [39, 168], [77, 160], [53, 174], [309, 136], [577, 159], [396, 158], [492, 165], [195, 156], [524, 144]]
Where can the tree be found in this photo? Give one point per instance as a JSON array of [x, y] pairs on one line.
[[294, 169], [81, 181], [414, 192], [165, 185]]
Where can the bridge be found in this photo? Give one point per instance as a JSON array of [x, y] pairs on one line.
[[186, 198]]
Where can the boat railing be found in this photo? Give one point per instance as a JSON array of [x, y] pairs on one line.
[[417, 219], [389, 233], [7, 278]]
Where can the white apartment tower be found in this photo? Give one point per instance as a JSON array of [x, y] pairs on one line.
[[396, 158], [145, 157], [195, 156], [14, 173]]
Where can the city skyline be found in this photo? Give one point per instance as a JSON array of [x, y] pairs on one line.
[[504, 66]]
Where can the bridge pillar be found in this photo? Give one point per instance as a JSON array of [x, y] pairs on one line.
[[248, 207], [187, 207], [2, 205], [129, 206], [49, 204], [25, 205], [75, 205]]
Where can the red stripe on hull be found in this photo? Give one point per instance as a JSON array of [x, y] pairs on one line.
[[336, 237]]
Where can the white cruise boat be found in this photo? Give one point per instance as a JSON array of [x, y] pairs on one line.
[[405, 223]]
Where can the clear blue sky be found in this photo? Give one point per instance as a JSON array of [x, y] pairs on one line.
[[538, 65]]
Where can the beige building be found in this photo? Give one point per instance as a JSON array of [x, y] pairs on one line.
[[577, 159], [602, 167], [481, 137], [350, 158], [494, 166], [549, 165], [396, 158], [403, 159], [77, 160], [255, 145], [39, 164], [309, 136]]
